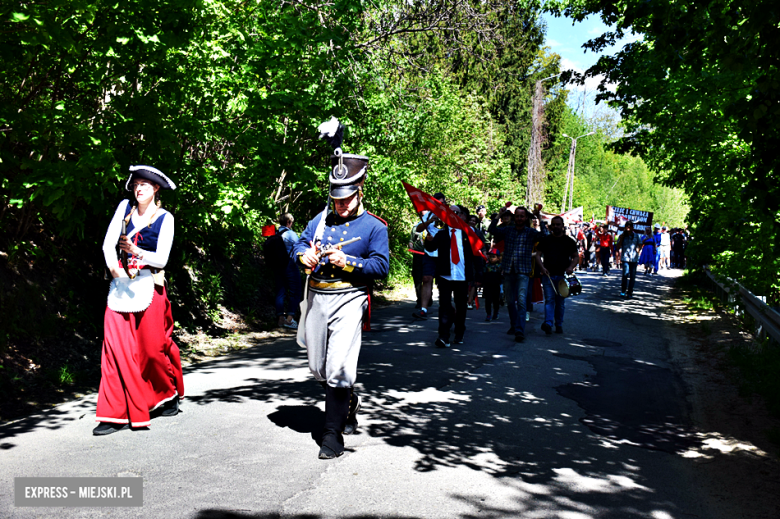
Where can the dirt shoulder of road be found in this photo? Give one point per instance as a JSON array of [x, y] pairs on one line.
[[738, 460]]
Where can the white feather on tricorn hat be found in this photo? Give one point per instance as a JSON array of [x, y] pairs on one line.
[[348, 172], [151, 174]]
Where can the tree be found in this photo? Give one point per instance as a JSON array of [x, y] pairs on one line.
[[700, 95]]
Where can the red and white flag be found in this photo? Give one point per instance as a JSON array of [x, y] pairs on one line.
[[422, 201]]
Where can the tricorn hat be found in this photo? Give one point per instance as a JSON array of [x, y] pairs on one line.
[[151, 174]]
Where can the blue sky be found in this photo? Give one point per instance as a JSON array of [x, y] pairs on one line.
[[566, 39]]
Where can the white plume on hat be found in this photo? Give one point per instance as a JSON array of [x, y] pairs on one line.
[[328, 128]]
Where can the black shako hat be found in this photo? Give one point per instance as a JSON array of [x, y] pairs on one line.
[[151, 174], [347, 175], [348, 172]]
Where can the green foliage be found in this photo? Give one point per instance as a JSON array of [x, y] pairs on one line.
[[65, 375], [604, 177], [221, 97], [700, 96], [442, 140], [758, 367]]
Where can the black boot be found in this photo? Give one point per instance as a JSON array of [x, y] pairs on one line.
[[354, 407], [170, 408], [336, 411]]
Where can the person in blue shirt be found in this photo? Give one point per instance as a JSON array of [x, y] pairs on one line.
[[428, 224], [657, 239], [338, 288], [630, 244], [289, 279]]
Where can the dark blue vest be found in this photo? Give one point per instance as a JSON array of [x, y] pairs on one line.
[[147, 237]]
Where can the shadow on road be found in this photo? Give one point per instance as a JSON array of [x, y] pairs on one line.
[[504, 422]]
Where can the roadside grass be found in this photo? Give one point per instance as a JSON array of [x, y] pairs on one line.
[[756, 364], [759, 368], [696, 297]]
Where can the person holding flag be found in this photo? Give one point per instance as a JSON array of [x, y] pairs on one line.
[[454, 271], [427, 225], [455, 244]]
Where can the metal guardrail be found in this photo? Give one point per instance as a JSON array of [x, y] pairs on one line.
[[767, 319]]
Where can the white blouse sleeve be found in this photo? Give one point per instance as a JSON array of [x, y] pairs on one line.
[[112, 235], [159, 258]]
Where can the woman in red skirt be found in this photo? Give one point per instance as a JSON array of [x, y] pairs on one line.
[[140, 365]]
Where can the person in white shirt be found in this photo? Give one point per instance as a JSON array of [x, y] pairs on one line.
[[454, 270], [665, 248], [428, 223], [140, 365]]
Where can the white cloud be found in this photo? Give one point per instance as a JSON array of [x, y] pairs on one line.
[[591, 83], [568, 64]]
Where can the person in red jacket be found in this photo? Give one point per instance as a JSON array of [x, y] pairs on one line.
[[605, 242]]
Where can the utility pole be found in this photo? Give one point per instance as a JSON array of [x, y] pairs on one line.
[[569, 187]]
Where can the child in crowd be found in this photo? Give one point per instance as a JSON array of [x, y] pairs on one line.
[[491, 284]]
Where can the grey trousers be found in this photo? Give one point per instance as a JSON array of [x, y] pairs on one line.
[[334, 327]]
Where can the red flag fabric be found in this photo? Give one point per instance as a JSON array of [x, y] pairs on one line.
[[422, 201]]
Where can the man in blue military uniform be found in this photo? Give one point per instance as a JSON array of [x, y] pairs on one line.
[[338, 289]]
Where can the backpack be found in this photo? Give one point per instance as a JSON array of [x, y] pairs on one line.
[[275, 251]]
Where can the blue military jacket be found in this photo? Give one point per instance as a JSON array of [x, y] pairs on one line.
[[367, 259]]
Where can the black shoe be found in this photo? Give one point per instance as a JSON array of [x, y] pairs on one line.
[[441, 343], [458, 339], [511, 330], [170, 408], [354, 407], [558, 329], [547, 328], [331, 447], [336, 411], [419, 314], [109, 428], [495, 317], [519, 337]]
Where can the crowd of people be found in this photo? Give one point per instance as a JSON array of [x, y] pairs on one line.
[[661, 249], [525, 261], [523, 258]]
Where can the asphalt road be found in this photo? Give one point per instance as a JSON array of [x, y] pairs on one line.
[[590, 423]]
